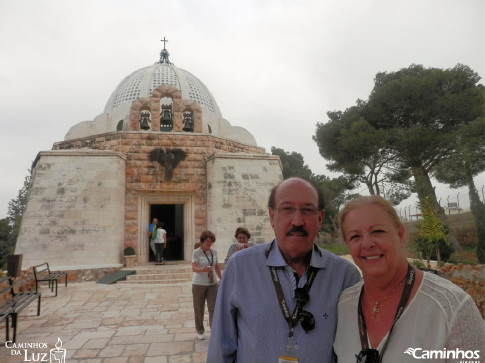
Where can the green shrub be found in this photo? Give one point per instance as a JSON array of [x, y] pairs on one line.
[[431, 239], [129, 251], [418, 263]]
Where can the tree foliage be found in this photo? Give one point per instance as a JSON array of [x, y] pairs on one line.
[[16, 207], [413, 117], [10, 226], [422, 109], [335, 191], [293, 163], [359, 150], [5, 242], [459, 168]]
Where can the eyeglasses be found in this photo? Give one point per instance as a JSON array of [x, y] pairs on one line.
[[288, 210], [368, 356], [306, 318]]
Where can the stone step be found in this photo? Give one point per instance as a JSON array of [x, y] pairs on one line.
[[161, 282], [116, 276], [163, 274], [163, 271]]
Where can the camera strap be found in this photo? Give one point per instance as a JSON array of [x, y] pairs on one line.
[[211, 261], [406, 293], [291, 319]]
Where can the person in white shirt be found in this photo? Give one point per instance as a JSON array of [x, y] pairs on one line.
[[160, 242], [205, 266], [399, 313]]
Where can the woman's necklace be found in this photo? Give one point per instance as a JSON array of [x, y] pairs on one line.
[[375, 308]]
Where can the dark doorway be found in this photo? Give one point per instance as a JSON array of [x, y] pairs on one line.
[[172, 217]]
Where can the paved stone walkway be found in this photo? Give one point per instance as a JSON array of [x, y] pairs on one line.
[[110, 323]]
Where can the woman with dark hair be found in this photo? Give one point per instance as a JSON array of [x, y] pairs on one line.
[[204, 283], [242, 236]]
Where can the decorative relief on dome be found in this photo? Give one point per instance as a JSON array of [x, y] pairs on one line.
[[129, 89], [198, 92], [163, 74]]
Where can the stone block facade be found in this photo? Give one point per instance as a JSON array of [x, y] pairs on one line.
[[238, 187], [74, 215], [106, 206]]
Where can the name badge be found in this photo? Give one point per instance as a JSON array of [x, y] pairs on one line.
[[287, 359]]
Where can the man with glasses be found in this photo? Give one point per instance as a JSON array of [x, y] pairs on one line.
[[278, 301]]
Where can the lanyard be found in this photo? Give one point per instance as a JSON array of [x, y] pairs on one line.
[[212, 257], [406, 293], [292, 319]]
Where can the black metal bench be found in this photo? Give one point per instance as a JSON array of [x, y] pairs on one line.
[[43, 273], [13, 303]]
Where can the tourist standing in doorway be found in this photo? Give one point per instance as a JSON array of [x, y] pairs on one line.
[[204, 282], [160, 242], [278, 301], [151, 236]]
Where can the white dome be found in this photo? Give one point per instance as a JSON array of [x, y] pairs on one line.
[[141, 83]]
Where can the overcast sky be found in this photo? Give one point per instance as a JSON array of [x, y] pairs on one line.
[[274, 67]]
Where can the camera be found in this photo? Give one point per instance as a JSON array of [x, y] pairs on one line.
[[307, 320]]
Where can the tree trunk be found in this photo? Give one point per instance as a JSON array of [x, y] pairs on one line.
[[478, 211], [425, 189]]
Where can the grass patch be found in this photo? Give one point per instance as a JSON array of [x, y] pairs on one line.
[[336, 248], [468, 256]]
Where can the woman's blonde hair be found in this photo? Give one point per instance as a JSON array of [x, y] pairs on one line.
[[365, 200]]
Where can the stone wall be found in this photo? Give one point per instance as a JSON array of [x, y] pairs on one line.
[[145, 178], [75, 211], [237, 196], [470, 278]]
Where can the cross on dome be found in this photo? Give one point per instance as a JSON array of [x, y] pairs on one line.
[[164, 41], [164, 53]]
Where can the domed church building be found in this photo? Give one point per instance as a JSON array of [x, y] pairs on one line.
[[160, 149]]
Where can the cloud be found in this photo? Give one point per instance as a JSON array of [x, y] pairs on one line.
[[275, 67]]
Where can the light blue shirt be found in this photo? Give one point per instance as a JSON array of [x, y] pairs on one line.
[[248, 325]]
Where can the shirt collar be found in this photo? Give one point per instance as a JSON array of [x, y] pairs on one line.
[[275, 258]]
